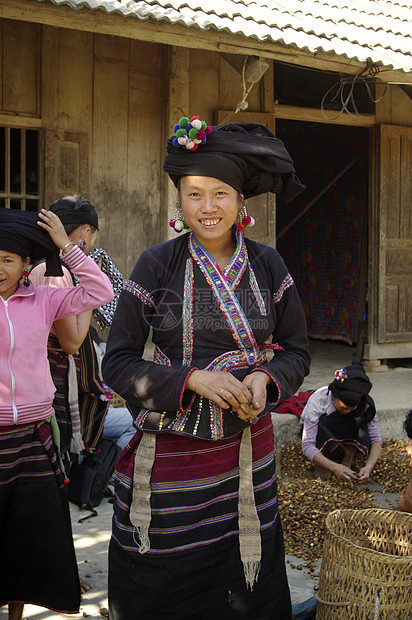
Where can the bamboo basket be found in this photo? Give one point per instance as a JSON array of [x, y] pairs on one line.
[[366, 570]]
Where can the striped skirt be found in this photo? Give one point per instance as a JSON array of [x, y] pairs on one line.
[[193, 568], [38, 562]]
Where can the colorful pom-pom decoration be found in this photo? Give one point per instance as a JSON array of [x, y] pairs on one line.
[[341, 375], [190, 132], [247, 220], [178, 225]]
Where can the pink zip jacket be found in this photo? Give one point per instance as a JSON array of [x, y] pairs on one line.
[[26, 386]]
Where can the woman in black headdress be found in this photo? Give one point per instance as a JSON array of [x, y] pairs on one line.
[[72, 357], [80, 402], [338, 421], [38, 563], [196, 530]]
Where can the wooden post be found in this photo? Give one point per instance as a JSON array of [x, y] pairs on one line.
[[178, 106]]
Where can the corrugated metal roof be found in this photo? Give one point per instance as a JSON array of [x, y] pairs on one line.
[[379, 31]]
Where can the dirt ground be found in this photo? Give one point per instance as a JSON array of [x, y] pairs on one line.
[[303, 502]]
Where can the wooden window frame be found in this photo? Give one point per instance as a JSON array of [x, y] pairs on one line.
[[7, 195]]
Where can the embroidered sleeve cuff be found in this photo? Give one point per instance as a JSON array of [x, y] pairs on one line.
[[274, 397], [184, 398]]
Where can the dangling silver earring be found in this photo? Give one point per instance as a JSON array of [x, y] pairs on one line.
[[177, 222], [243, 219]]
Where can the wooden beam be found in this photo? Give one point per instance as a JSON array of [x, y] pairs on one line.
[[388, 350], [274, 51], [314, 115], [176, 34], [294, 113], [229, 116], [19, 120]]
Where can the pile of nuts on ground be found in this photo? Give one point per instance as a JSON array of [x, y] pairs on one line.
[[304, 502]]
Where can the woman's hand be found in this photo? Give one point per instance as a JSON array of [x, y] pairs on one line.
[[223, 389], [343, 473], [367, 469], [256, 382], [50, 222], [364, 474]]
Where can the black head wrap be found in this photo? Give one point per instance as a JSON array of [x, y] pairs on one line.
[[75, 212], [20, 234], [351, 384], [246, 156]]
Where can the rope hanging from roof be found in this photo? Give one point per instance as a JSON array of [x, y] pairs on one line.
[[243, 104], [253, 69]]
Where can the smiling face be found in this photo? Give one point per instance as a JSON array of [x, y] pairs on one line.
[[11, 269], [210, 207]]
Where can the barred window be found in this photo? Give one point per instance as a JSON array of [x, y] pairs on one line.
[[20, 168]]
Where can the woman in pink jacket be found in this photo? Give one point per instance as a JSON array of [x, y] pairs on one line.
[[38, 563]]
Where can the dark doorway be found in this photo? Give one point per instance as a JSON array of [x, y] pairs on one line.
[[322, 234]]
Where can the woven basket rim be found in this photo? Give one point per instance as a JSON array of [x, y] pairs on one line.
[[397, 558], [396, 513]]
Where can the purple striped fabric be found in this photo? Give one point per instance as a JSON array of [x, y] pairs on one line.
[[194, 490], [28, 453]]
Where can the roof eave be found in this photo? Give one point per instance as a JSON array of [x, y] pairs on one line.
[[163, 32]]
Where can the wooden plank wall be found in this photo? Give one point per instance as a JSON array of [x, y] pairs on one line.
[[112, 90], [116, 92], [123, 96], [395, 108], [20, 46], [215, 85], [116, 97]]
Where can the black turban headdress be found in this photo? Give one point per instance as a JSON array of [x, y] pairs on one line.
[[20, 234], [75, 212], [351, 384], [246, 156]]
